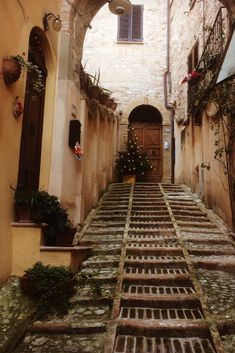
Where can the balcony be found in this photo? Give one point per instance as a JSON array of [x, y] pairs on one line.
[[209, 66]]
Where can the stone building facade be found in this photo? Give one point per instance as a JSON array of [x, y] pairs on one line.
[[132, 70], [195, 141]]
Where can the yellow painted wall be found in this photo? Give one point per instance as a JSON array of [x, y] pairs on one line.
[[78, 184], [17, 18]]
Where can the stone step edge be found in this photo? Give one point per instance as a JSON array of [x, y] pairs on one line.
[[215, 264], [161, 299], [66, 328], [210, 251], [152, 263], [176, 328], [155, 278]]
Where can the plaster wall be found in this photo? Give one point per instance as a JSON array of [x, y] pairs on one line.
[[17, 18], [78, 183]]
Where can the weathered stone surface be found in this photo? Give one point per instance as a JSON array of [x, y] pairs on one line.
[[15, 313], [151, 287]]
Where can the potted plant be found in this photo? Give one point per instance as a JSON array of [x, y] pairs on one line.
[[23, 203], [51, 286], [48, 209], [12, 66], [11, 70], [104, 96], [131, 162], [94, 89], [114, 106]]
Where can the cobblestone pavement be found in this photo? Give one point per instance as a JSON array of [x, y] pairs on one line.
[[160, 279]]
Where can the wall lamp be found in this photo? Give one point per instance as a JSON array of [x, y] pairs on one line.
[[120, 7], [57, 24]]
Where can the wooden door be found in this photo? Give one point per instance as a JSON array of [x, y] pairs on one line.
[[31, 137], [150, 142]]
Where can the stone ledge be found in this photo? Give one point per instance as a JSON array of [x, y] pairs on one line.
[[28, 224], [178, 328], [65, 248], [59, 328]]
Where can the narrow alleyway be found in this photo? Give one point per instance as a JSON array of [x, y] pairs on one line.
[[160, 279]]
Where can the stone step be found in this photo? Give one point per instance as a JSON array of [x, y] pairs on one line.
[[148, 250], [163, 344], [132, 290]]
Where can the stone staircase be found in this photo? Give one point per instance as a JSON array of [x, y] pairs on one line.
[[160, 265]]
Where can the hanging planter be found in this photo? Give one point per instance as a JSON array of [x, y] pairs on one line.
[[94, 92], [11, 70], [103, 98], [109, 103], [114, 106]]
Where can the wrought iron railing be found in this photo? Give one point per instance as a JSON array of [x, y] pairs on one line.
[[209, 64]]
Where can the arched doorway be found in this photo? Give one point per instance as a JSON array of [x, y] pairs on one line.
[[31, 137], [146, 123]]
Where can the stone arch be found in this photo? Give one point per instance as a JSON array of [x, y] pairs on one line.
[[76, 16], [148, 101], [145, 113]]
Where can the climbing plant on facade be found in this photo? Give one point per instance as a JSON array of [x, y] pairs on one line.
[[223, 125]]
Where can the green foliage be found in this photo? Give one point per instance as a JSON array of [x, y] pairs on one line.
[[21, 196], [37, 80], [87, 277], [206, 166], [54, 285], [47, 209], [131, 160]]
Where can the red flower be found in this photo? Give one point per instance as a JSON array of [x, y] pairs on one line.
[[193, 78]]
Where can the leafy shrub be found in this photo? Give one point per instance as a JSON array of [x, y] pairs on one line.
[[47, 209], [51, 285]]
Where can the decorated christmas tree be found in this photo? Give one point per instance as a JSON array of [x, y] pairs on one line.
[[131, 160]]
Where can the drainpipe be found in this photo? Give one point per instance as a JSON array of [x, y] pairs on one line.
[[203, 24], [167, 105]]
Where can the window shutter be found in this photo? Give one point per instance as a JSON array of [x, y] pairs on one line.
[[123, 27], [137, 23], [130, 27], [190, 63], [195, 54]]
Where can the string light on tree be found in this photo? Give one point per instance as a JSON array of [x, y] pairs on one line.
[[131, 160]]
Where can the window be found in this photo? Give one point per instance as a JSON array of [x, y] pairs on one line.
[[193, 58], [130, 27]]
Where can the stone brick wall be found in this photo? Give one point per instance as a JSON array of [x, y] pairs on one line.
[[132, 71], [194, 144], [186, 27]]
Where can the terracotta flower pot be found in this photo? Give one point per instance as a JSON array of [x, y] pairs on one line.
[[114, 106], [66, 238], [23, 213], [109, 103], [11, 70], [94, 92], [103, 98]]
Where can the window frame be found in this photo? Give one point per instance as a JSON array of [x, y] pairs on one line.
[[191, 4], [129, 38], [194, 54]]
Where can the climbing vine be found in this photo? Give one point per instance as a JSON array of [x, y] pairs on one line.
[[223, 125]]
